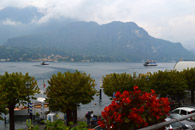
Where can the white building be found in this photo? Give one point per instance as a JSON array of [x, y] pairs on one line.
[[181, 65]]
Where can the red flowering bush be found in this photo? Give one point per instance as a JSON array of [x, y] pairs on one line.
[[134, 109]]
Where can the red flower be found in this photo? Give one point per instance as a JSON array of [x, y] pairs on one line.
[[135, 109], [135, 88], [117, 94]]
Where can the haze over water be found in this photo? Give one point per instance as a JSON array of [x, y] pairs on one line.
[[96, 70]]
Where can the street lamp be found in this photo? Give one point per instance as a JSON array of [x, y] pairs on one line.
[[28, 84]]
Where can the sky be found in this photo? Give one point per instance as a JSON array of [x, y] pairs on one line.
[[172, 20]]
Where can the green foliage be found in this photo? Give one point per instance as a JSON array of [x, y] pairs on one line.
[[142, 80], [69, 89], [30, 126], [57, 125], [13, 88], [121, 82], [37, 114], [168, 83], [165, 83], [117, 82], [13, 91], [80, 126], [189, 75]]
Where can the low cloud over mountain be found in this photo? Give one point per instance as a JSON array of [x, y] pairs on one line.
[[125, 41]]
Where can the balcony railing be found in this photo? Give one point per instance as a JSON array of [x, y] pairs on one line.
[[163, 124]]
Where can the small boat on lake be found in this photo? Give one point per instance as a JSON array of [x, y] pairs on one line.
[[150, 63], [43, 63]]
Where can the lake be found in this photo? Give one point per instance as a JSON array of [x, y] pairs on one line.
[[96, 70]]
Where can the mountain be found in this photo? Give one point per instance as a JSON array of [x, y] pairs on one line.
[[118, 40], [124, 41], [16, 22]]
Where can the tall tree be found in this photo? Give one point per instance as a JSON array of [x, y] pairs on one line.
[[66, 91], [168, 83], [121, 82], [189, 75], [13, 91]]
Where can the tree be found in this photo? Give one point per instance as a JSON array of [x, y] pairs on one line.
[[134, 109], [189, 75], [117, 82], [168, 84], [121, 82], [66, 91], [142, 80], [14, 91]]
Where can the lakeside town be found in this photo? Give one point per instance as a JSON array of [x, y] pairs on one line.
[[97, 65], [61, 58]]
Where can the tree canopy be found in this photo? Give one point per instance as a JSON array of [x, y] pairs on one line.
[[67, 90], [165, 83], [168, 83], [117, 82], [13, 91], [189, 76], [121, 82], [142, 80]]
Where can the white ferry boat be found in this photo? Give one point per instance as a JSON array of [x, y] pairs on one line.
[[150, 63]]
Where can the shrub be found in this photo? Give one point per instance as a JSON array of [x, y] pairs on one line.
[[134, 109]]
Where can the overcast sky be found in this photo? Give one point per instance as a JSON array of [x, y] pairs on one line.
[[172, 20]]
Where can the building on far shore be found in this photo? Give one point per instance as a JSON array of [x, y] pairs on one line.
[[181, 65]]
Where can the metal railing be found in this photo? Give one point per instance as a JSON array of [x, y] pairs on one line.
[[162, 124]]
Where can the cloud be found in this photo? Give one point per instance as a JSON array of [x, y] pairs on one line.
[[167, 19], [14, 3], [182, 29], [177, 29], [10, 22]]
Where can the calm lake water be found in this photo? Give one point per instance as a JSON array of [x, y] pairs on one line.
[[96, 70]]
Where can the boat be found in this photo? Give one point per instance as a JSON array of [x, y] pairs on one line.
[[38, 106], [21, 111], [150, 63], [43, 63]]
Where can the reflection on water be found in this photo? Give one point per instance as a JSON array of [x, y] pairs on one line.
[[96, 70]]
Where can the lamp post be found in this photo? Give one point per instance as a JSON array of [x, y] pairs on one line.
[[28, 84]]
